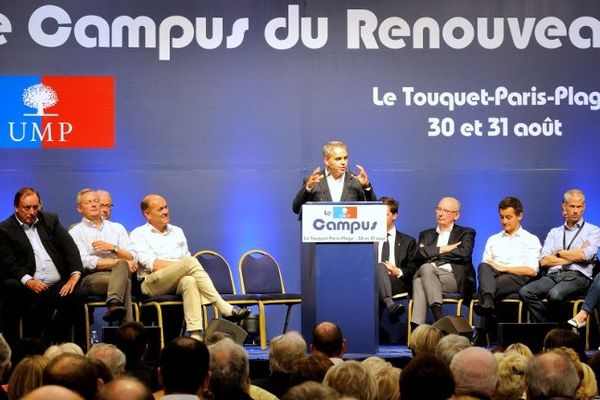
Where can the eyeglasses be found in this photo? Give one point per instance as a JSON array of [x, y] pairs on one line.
[[444, 211], [106, 205]]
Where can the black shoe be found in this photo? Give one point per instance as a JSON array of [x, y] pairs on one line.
[[238, 314], [486, 307], [115, 312], [479, 338], [395, 311]]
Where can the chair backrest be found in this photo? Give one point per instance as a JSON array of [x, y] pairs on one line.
[[260, 273], [218, 269]]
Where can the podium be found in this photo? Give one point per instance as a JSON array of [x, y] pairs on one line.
[[338, 270]]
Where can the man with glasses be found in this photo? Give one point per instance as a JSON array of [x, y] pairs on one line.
[[41, 268], [444, 255], [107, 256], [106, 203], [568, 255]]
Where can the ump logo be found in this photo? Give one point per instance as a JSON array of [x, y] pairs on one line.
[[345, 212], [57, 112]]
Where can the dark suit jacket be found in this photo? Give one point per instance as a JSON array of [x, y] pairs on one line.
[[460, 258], [16, 253], [404, 254], [320, 192]]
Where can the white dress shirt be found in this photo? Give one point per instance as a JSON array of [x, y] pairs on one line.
[[85, 233], [150, 244], [45, 270], [521, 249]]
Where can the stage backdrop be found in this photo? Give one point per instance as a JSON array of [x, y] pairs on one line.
[[223, 106]]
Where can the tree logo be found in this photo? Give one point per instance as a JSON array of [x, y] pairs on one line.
[[40, 96]]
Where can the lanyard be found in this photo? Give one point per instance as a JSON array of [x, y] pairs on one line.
[[574, 237]]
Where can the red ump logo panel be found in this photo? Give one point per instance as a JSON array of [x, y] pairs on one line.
[[84, 114]]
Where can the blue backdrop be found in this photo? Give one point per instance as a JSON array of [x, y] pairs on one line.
[[227, 134]]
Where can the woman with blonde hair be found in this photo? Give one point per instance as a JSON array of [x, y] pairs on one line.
[[424, 339], [26, 376]]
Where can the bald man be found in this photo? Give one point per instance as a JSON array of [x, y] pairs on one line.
[[169, 267], [444, 254]]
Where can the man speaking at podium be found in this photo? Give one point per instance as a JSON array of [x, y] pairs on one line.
[[336, 182]]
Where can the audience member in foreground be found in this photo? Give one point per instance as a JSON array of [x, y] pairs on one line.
[[183, 367], [327, 338], [52, 392], [229, 371], [26, 376], [74, 372], [449, 345], [511, 375], [125, 387], [352, 379], [284, 351], [551, 375], [426, 377], [311, 391], [424, 339], [475, 372]]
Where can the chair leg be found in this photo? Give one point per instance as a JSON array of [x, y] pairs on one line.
[[287, 317], [262, 322]]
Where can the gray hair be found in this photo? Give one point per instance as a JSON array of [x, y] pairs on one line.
[[569, 194], [111, 355], [81, 193], [285, 350], [5, 354], [551, 375], [229, 366], [475, 371], [449, 345], [329, 146]]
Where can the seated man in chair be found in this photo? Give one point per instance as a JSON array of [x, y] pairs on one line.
[[107, 256], [444, 254], [510, 259], [169, 268], [396, 268]]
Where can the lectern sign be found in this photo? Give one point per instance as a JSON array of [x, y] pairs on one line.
[[344, 222]]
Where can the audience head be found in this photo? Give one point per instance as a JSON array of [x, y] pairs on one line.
[[74, 372], [58, 349], [594, 363], [449, 345], [475, 372], [5, 357], [424, 339], [309, 391], [387, 378], [105, 203], [352, 379], [520, 348], [564, 338], [511, 376], [328, 339], [285, 350], [183, 366], [110, 355], [102, 371], [52, 392], [551, 374], [214, 337], [26, 376], [125, 387], [311, 368], [588, 388], [426, 377], [229, 368], [131, 338]]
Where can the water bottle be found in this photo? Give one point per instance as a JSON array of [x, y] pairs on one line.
[[94, 338]]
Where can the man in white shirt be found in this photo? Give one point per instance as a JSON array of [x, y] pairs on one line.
[[107, 256], [510, 259], [168, 267]]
